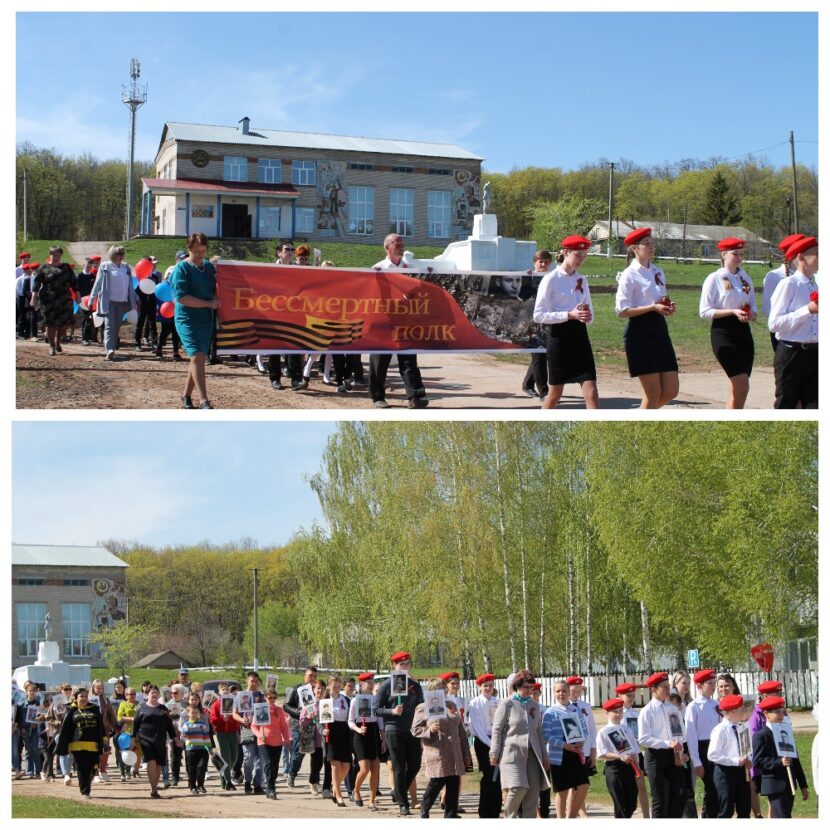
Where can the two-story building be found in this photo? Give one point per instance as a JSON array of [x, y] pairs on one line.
[[82, 588], [241, 182]]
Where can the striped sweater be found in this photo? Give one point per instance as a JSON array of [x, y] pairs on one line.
[[196, 734]]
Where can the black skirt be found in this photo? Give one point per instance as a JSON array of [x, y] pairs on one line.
[[570, 774], [339, 746], [733, 345], [570, 357], [648, 346], [366, 747]]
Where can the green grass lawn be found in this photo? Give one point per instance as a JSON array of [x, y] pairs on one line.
[[44, 806], [39, 249]]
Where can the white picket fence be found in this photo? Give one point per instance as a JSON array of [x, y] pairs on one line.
[[800, 687]]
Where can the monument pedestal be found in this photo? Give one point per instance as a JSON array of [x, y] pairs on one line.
[[50, 670]]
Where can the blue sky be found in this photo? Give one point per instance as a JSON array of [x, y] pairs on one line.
[[556, 89], [163, 482]]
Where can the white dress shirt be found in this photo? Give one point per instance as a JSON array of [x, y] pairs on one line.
[[588, 725], [640, 286], [481, 712], [715, 295], [605, 745], [355, 720], [654, 724], [560, 293], [789, 316], [702, 716], [723, 745], [771, 281], [341, 708], [630, 717], [387, 265]]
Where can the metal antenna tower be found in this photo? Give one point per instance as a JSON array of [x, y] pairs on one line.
[[133, 96]]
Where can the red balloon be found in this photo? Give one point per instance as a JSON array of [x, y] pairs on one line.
[[94, 305], [143, 269], [167, 310], [763, 655]]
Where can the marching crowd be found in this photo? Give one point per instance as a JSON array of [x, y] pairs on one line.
[[105, 293], [529, 755]]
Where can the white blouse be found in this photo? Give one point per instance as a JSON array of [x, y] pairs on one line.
[[789, 316], [640, 286], [560, 293], [722, 290]]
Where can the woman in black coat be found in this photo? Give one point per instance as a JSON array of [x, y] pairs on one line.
[[82, 734], [151, 728]]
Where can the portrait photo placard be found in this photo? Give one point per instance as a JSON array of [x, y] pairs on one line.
[[272, 682], [325, 710], [262, 714], [244, 702], [620, 741], [32, 713], [364, 706], [399, 683], [744, 740], [306, 693], [784, 739], [435, 704], [572, 727], [226, 704]]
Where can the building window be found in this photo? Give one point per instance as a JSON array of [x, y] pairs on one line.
[[362, 210], [30, 581], [353, 165], [401, 211], [76, 582], [269, 171], [439, 171], [303, 173], [31, 617], [75, 628], [236, 169], [269, 221], [438, 214], [304, 220], [401, 169]]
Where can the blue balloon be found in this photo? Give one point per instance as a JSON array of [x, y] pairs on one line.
[[124, 741], [75, 307], [135, 282], [164, 292]]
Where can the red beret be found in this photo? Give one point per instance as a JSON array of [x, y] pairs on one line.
[[730, 703], [450, 675], [574, 680], [656, 679], [802, 245], [484, 678], [93, 271], [635, 236], [26, 267], [788, 240], [399, 657], [613, 703], [576, 243], [769, 687], [95, 258], [731, 243], [703, 675], [367, 675], [22, 254], [626, 688], [35, 265], [537, 685], [772, 702]]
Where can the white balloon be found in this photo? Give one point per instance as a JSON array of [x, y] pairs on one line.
[[147, 286], [97, 319], [131, 317], [129, 757]]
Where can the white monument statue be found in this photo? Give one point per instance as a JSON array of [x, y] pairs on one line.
[[49, 669]]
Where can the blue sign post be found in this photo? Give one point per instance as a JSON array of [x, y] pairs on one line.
[[693, 658]]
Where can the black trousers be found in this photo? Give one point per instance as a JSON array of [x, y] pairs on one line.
[[733, 791], [537, 374], [667, 782], [544, 803], [690, 810], [774, 340], [434, 787], [405, 754], [796, 377], [622, 784], [146, 324], [781, 805], [196, 762], [269, 757], [407, 366], [319, 762], [168, 329], [293, 362], [26, 319], [85, 765], [48, 754], [710, 794], [489, 793], [175, 760]]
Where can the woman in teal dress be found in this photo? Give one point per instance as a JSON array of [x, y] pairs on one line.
[[194, 289]]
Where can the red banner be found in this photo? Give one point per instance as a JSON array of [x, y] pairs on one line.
[[289, 309]]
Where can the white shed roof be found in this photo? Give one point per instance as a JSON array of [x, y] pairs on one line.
[[182, 131], [74, 556]]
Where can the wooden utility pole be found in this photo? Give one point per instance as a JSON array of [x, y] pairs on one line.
[[256, 621], [611, 166], [795, 181]]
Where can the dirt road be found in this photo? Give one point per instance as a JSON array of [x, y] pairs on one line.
[[81, 379]]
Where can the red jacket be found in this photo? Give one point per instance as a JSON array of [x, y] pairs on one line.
[[220, 722]]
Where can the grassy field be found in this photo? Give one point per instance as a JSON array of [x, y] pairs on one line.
[[42, 806]]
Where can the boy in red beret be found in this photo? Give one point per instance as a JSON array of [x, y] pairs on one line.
[[618, 747], [627, 693], [702, 716], [482, 711], [731, 760]]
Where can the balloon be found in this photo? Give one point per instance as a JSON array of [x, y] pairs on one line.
[[128, 757], [135, 282], [85, 303], [167, 310], [94, 305], [143, 269], [75, 307], [147, 286], [164, 292], [98, 320], [123, 741], [131, 317]]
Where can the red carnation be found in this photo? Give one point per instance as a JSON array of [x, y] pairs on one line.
[[814, 297]]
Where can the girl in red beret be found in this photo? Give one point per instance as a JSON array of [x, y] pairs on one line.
[[728, 301], [564, 308], [775, 276], [643, 299]]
